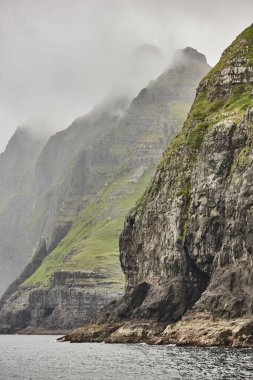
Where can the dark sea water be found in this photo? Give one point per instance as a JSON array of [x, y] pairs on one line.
[[41, 357]]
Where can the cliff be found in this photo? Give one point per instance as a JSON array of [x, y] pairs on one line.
[[17, 167], [186, 248], [86, 180]]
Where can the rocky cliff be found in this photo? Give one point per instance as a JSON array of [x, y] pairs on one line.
[[186, 248], [82, 197], [17, 167]]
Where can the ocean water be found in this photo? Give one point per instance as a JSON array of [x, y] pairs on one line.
[[38, 357]]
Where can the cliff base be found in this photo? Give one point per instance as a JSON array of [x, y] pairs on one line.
[[201, 330]]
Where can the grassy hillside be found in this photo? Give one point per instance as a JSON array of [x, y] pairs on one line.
[[106, 178], [92, 242]]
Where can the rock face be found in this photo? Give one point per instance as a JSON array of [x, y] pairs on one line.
[[72, 299], [17, 166], [186, 248], [87, 177]]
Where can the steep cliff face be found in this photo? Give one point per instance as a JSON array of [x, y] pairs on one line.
[[190, 237], [101, 183], [186, 248], [17, 166]]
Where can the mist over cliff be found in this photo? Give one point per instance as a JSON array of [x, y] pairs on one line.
[[60, 58]]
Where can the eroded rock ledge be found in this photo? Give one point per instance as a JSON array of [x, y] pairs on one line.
[[202, 330], [70, 301]]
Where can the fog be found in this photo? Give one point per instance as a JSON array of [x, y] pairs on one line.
[[59, 58]]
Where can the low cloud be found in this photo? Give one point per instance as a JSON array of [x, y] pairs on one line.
[[59, 58]]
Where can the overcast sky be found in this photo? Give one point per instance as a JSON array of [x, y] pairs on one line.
[[58, 58]]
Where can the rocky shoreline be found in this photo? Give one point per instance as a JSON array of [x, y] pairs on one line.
[[202, 331]]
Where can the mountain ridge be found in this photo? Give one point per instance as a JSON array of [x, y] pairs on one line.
[[81, 265]]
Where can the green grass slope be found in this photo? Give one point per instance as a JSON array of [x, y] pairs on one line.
[[92, 242]]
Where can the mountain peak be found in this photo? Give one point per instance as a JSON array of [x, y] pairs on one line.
[[25, 136], [188, 55], [193, 53], [20, 137]]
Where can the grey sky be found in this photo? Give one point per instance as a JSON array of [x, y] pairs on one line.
[[58, 58]]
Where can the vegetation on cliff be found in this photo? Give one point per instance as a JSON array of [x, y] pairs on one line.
[[225, 93]]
